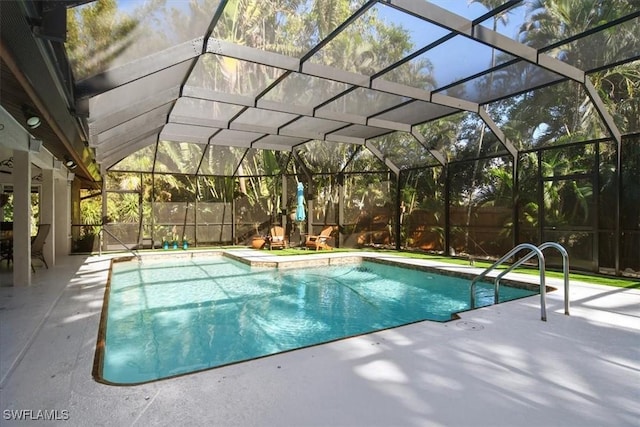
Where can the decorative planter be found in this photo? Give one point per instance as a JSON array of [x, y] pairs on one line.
[[258, 242]]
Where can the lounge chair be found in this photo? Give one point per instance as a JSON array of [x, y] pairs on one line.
[[37, 244], [277, 238], [320, 241]]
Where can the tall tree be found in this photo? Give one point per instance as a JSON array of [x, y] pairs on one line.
[[96, 34]]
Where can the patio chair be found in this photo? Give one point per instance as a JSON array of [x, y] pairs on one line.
[[277, 238], [320, 241], [6, 242], [37, 244], [6, 251]]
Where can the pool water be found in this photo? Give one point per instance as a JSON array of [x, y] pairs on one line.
[[170, 318]]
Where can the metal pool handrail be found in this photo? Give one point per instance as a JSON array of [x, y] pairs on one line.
[[102, 229], [565, 270], [512, 252]]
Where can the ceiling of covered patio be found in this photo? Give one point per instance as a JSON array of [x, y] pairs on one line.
[[199, 87]]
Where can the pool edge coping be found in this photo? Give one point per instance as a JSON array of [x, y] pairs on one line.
[[258, 259]]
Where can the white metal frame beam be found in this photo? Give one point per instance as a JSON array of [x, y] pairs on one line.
[[119, 76]]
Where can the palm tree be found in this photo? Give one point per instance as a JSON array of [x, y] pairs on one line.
[[96, 35], [553, 20], [502, 18]]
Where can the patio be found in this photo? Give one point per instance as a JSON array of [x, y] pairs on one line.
[[581, 369], [454, 127]]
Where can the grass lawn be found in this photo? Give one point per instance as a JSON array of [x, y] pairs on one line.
[[583, 277]]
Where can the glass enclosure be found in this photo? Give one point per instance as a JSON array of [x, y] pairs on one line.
[[456, 127], [470, 208]]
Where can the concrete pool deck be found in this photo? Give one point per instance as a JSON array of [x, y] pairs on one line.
[[495, 366]]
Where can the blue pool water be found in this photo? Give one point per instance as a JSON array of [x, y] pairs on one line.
[[170, 318]]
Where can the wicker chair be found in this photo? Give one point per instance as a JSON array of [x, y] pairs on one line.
[[37, 244]]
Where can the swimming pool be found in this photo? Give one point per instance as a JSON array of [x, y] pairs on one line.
[[166, 318]]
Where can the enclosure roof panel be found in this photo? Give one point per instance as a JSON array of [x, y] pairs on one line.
[[208, 74], [291, 31], [235, 138], [187, 133], [377, 46]]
